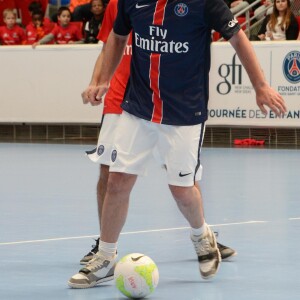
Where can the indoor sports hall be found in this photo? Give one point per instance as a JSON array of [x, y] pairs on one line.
[[48, 209], [49, 220]]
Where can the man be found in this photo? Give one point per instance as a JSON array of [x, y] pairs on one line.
[[165, 106], [112, 111]]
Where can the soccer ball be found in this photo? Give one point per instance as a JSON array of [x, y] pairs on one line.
[[136, 275]]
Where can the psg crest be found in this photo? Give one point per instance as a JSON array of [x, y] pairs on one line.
[[100, 150], [113, 155], [181, 9], [291, 67]]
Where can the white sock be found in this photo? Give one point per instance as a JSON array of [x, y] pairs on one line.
[[107, 249], [199, 231]]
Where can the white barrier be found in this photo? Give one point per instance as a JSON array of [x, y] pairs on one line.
[[44, 85]]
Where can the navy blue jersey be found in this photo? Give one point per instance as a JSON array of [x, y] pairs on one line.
[[170, 63]]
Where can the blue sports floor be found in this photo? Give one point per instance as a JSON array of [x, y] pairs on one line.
[[48, 219]]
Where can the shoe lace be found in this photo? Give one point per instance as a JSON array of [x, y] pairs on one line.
[[202, 246], [95, 247], [97, 262]]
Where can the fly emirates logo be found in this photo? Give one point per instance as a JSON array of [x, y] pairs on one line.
[[158, 42]]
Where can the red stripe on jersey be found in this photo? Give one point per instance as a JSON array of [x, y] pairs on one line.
[[159, 14], [154, 84]]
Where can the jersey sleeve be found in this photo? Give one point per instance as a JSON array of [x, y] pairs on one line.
[[219, 17], [108, 20], [122, 24]]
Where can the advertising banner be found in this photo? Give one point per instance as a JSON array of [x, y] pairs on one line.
[[232, 97]]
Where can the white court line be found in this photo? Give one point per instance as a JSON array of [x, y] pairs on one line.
[[125, 233], [294, 218]]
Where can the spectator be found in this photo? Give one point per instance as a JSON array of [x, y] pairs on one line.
[[36, 6], [280, 25], [11, 34], [92, 26], [263, 11], [64, 32], [82, 12], [37, 29]]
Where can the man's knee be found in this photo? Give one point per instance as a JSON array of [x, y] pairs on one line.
[[182, 194], [120, 182]]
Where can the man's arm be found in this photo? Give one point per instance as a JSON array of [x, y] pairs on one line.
[[265, 95], [105, 66], [113, 54], [90, 93]]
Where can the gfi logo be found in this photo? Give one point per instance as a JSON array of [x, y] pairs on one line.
[[232, 22], [232, 74]]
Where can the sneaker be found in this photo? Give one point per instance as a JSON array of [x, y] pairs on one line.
[[91, 254], [209, 256], [226, 252], [98, 270]]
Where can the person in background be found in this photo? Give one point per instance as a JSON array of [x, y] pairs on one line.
[[82, 12], [37, 29], [92, 26], [280, 25], [64, 32], [35, 6], [11, 34]]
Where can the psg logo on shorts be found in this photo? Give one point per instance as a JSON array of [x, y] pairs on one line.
[[291, 67], [181, 9], [113, 155], [100, 150]]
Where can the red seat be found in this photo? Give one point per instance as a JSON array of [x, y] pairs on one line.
[[4, 4]]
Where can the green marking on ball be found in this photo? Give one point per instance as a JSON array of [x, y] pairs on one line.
[[146, 273], [121, 286]]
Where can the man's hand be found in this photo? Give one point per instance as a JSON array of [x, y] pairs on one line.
[[93, 94], [267, 96]]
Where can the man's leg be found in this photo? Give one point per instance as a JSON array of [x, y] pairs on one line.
[[189, 202], [113, 217], [101, 190], [115, 205]]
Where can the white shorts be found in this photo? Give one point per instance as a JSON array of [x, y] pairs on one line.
[[102, 153], [179, 149]]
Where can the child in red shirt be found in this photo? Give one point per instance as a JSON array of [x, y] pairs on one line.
[[11, 34], [63, 33], [37, 29]]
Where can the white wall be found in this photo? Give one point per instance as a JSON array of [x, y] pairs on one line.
[[44, 85]]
